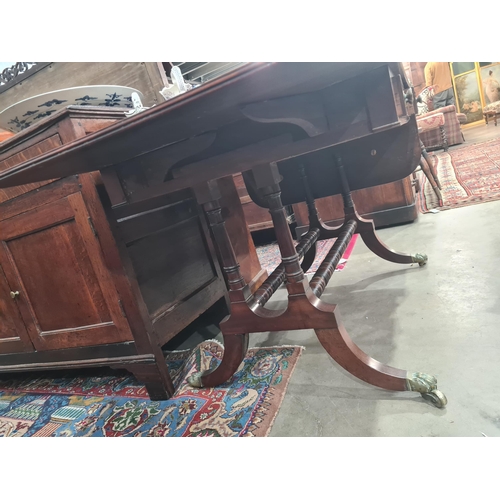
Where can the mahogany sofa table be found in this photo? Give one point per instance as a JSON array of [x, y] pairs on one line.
[[297, 132]]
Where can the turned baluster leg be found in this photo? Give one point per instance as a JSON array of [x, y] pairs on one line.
[[267, 180], [314, 219], [426, 169], [235, 346], [426, 163], [444, 137], [430, 163]]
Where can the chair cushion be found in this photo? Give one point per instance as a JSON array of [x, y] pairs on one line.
[[422, 108], [430, 122], [426, 105], [493, 107]]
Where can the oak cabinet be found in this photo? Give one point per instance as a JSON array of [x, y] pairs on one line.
[[53, 265], [86, 283], [13, 334]]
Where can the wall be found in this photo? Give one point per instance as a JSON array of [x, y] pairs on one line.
[[415, 73], [143, 76]]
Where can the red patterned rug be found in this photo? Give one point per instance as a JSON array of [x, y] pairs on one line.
[[270, 258], [107, 405], [468, 176]]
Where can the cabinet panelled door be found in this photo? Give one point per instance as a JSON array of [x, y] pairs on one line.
[[55, 282]]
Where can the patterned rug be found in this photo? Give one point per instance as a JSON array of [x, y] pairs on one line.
[[108, 405], [270, 258], [468, 176]]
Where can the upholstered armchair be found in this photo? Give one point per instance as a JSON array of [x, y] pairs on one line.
[[433, 137]]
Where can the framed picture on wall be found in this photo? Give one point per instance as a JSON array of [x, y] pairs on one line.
[[468, 96], [490, 78]]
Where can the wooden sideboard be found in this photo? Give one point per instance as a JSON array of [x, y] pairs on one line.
[[85, 282]]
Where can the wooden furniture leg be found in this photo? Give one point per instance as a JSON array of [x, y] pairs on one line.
[[241, 239], [235, 346], [444, 137], [336, 340], [305, 309], [347, 354], [424, 165], [308, 260], [154, 377], [365, 228], [314, 220], [415, 181], [430, 163]]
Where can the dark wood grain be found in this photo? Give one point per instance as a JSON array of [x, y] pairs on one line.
[[170, 273], [366, 137], [66, 297], [387, 204], [277, 277], [239, 226], [13, 159], [13, 334], [119, 350], [257, 218], [325, 271], [78, 294], [220, 99], [38, 196], [115, 362]]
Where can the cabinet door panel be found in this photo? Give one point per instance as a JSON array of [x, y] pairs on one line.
[[13, 334], [67, 297]]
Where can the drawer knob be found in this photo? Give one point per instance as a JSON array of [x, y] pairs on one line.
[[14, 295]]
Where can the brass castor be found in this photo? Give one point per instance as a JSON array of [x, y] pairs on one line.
[[427, 386], [436, 397], [420, 258]]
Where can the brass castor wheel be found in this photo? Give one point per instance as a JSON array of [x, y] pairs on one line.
[[436, 397], [419, 258]]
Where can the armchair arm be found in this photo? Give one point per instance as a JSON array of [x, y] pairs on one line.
[[447, 109]]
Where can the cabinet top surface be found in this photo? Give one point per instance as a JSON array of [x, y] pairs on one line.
[[81, 112]]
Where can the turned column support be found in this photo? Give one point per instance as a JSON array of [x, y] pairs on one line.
[[305, 309], [208, 196], [314, 218], [267, 179]]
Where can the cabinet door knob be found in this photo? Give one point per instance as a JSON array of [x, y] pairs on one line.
[[14, 295]]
